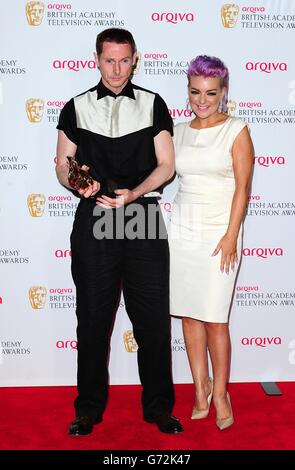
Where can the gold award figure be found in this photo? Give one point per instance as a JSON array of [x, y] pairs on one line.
[[78, 178]]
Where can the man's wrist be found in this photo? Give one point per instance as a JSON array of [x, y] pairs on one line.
[[135, 194]]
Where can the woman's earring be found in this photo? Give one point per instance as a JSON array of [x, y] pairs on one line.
[[220, 107]]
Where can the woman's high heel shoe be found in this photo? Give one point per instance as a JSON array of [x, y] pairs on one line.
[[200, 414], [225, 423]]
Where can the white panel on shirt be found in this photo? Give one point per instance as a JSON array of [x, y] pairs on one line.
[[114, 117]]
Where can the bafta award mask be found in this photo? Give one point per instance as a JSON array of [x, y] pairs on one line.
[[78, 178]]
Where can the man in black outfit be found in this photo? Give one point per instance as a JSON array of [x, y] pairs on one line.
[[122, 132]]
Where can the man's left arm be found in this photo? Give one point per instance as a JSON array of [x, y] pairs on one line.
[[165, 168], [163, 172]]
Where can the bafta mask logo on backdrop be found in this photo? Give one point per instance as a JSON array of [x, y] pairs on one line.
[[36, 204], [34, 109], [231, 107], [37, 296], [129, 341], [229, 15], [34, 13]]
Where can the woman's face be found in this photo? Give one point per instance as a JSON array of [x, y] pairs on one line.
[[205, 95]]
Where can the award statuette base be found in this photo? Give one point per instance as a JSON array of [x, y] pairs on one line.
[[78, 178]]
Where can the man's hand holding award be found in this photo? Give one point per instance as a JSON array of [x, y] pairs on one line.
[[80, 179]]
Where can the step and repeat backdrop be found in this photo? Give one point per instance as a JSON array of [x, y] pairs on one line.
[[46, 58]]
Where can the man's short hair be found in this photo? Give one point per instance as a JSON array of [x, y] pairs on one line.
[[117, 35]]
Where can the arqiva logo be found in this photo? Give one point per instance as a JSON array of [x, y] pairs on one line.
[[166, 206], [178, 113], [267, 67], [74, 65], [155, 55], [268, 160], [261, 342], [250, 104], [247, 288], [60, 198], [253, 9], [59, 6], [263, 252], [63, 253], [66, 344], [173, 18]]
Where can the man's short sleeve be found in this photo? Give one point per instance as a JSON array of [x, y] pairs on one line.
[[67, 122], [162, 118]]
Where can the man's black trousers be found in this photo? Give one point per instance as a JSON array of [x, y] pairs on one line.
[[100, 269]]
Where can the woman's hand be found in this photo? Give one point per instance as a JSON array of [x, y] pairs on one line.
[[229, 257]]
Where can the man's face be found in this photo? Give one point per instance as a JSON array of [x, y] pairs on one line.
[[116, 65]]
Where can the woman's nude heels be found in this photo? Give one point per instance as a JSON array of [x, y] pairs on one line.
[[225, 423], [200, 414]]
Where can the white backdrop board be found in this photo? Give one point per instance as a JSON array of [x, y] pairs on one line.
[[46, 58]]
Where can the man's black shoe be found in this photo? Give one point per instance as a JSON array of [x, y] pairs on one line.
[[166, 423], [82, 425]]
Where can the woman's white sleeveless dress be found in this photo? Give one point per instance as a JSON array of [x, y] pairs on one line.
[[200, 216]]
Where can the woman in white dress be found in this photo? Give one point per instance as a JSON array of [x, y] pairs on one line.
[[214, 159]]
